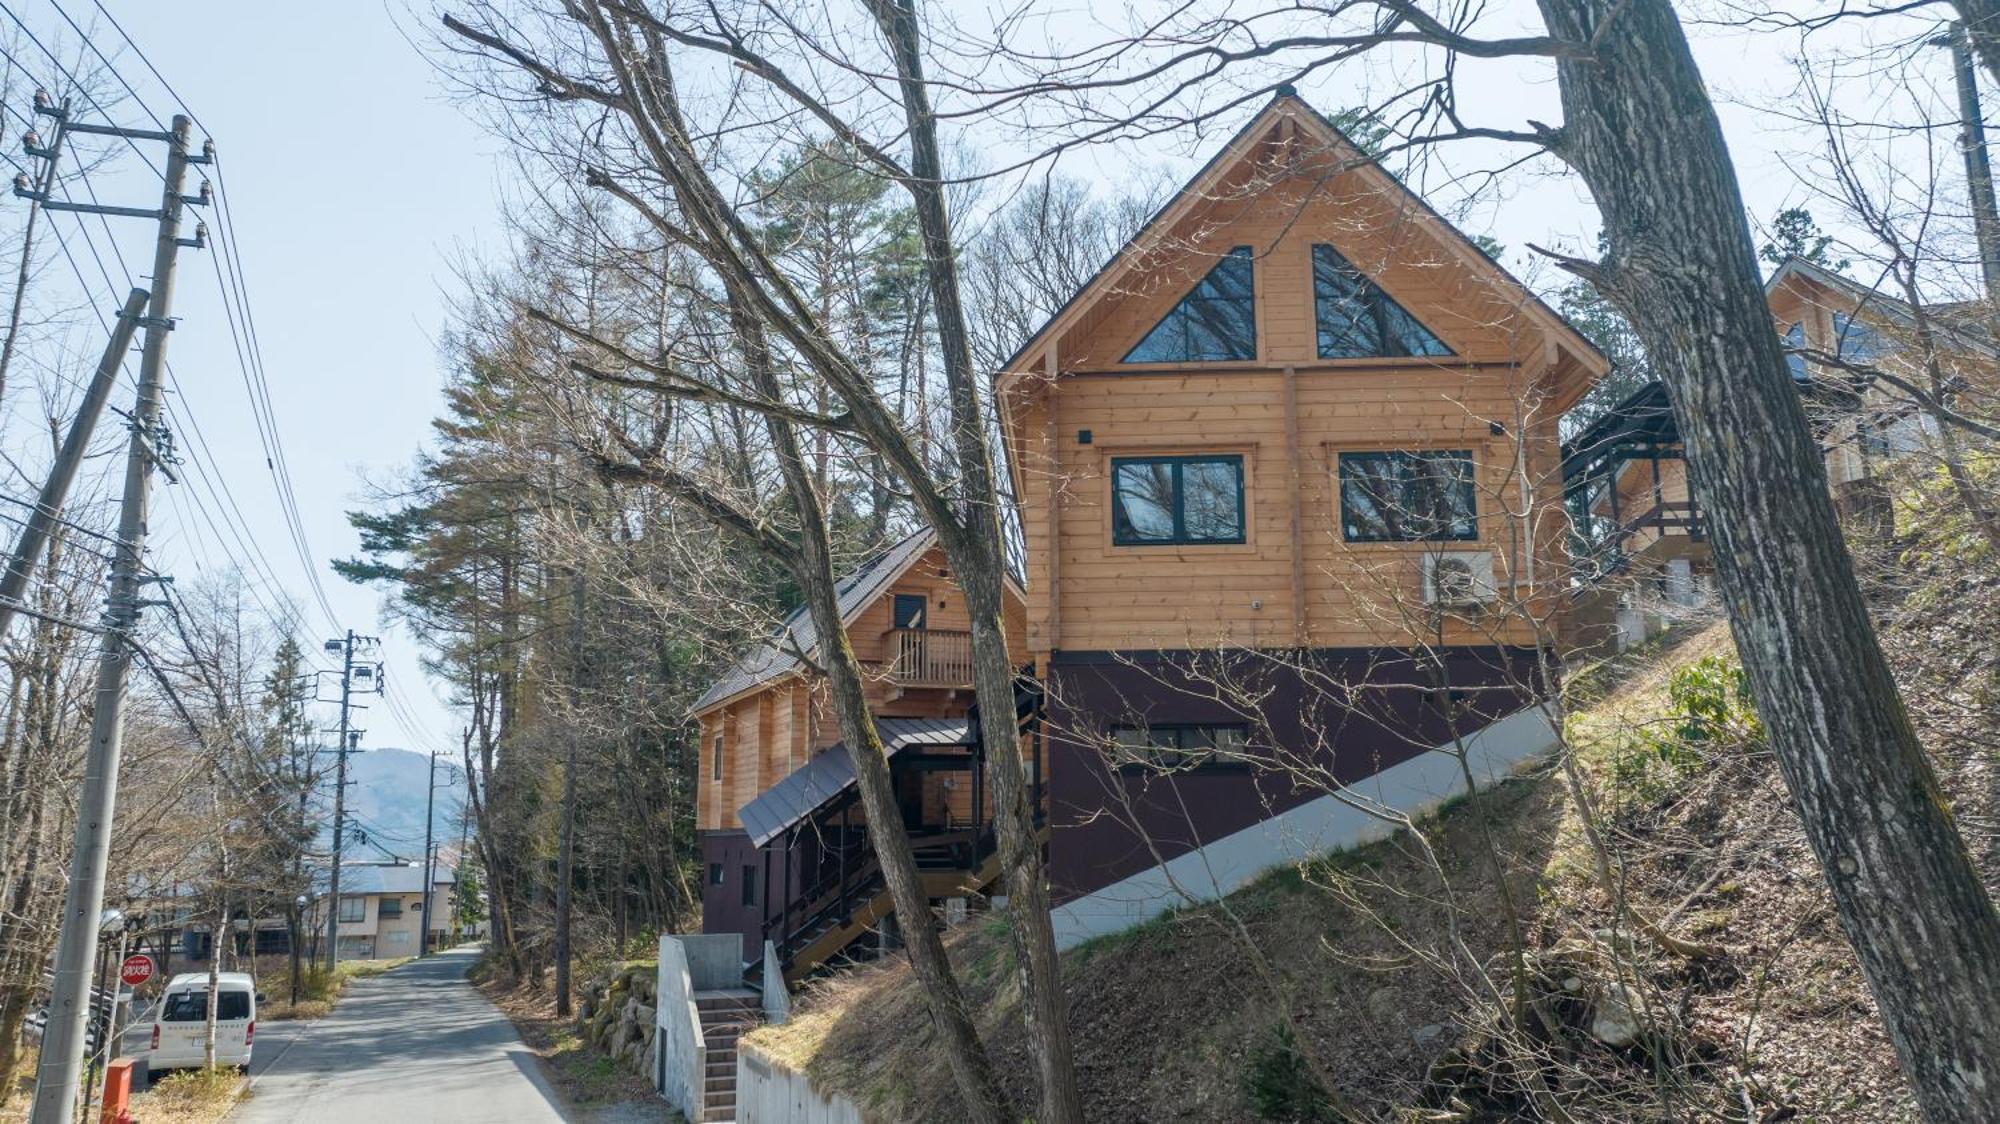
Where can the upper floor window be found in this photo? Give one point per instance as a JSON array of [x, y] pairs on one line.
[[1179, 746], [1176, 500], [1407, 497], [715, 763], [749, 885], [1795, 343], [1854, 341], [1215, 323], [353, 908], [1357, 320], [909, 610]]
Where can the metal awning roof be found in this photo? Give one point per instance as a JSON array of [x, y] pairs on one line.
[[832, 773]]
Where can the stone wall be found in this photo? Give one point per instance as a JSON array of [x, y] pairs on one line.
[[616, 1014]]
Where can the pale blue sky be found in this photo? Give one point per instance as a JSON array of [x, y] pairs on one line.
[[356, 184]]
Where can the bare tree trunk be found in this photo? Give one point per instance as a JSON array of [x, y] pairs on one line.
[[214, 985], [971, 1066], [1639, 127], [973, 542]]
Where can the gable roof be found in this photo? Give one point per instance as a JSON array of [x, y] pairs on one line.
[[779, 655], [1285, 104], [359, 878], [1962, 323]]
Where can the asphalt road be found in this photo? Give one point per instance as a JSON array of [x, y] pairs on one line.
[[418, 1043]]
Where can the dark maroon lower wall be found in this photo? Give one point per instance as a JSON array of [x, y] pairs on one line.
[[722, 908], [1318, 719]]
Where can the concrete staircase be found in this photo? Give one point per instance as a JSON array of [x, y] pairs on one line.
[[725, 1017]]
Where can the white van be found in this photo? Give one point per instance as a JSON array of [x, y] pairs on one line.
[[180, 1024]]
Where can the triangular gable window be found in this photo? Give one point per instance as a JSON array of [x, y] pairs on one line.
[[1357, 320], [1214, 323]]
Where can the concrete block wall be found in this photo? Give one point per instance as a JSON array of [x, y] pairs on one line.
[[771, 1092], [680, 1056]]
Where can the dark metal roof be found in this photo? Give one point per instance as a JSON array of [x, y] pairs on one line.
[[1640, 419], [832, 773], [769, 660]]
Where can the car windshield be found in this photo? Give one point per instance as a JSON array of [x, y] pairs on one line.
[[192, 1006]]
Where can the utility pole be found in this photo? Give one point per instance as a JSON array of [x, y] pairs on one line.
[[350, 741], [1978, 169], [55, 490], [430, 902], [61, 1065]]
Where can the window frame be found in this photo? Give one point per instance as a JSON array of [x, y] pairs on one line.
[[715, 762], [1246, 253], [360, 913], [1340, 480], [389, 907], [1379, 293], [1201, 759], [718, 874], [899, 600], [749, 886], [1180, 536]]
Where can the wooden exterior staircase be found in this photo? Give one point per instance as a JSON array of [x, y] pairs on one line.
[[725, 1017]]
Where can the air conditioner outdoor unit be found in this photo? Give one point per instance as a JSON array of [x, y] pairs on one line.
[[1458, 577]]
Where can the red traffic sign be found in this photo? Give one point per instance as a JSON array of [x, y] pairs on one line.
[[137, 969]]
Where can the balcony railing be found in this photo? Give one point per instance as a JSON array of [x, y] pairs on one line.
[[931, 657]]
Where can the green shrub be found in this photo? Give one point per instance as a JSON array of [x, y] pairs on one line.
[[1281, 1086], [1711, 703]]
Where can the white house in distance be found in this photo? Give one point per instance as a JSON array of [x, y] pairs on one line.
[[382, 908]]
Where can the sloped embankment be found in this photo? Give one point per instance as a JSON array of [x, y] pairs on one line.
[[1382, 974]]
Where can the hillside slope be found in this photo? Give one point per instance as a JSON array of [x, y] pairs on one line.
[[1386, 975]]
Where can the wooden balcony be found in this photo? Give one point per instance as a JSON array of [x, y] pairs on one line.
[[930, 657]]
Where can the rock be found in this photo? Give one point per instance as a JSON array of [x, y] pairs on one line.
[[1615, 1019], [1383, 1003], [648, 1016], [1425, 1035]]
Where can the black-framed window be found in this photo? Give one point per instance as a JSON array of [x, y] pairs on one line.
[[749, 885], [1408, 497], [1180, 746], [1795, 342], [390, 907], [1856, 342], [1195, 499], [1357, 320], [1215, 323], [909, 610], [715, 875], [715, 763]]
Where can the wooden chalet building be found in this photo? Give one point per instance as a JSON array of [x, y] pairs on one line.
[[1297, 417], [784, 852], [1626, 473], [1247, 454]]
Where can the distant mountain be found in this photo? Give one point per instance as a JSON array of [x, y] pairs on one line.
[[385, 803]]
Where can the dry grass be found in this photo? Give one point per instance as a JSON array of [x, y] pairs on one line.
[[192, 1097], [316, 998]]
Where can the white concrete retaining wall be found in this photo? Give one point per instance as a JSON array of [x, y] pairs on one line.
[[1329, 823], [680, 1057], [777, 996], [770, 1092]]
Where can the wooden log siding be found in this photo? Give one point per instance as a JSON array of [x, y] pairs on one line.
[[1279, 189], [776, 728], [1281, 586]]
